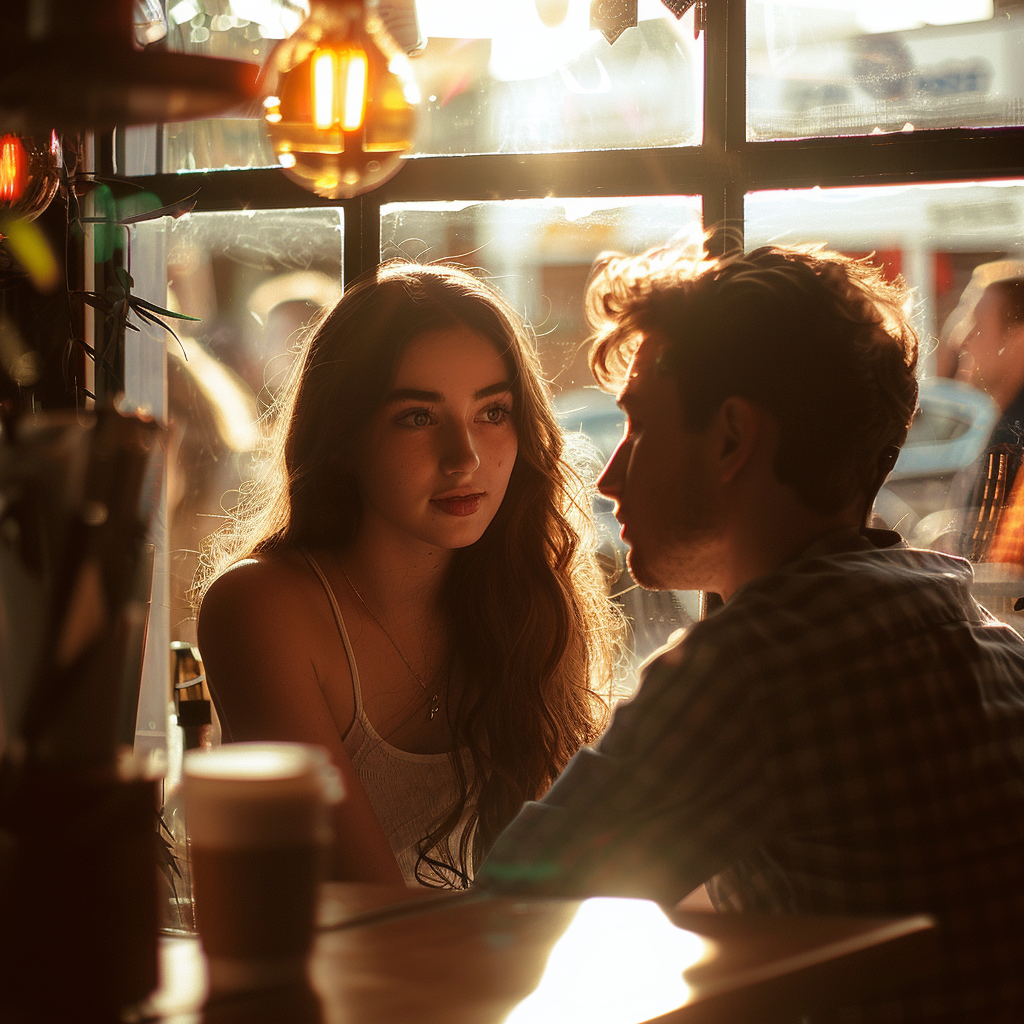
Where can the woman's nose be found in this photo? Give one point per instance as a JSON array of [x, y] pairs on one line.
[[460, 454]]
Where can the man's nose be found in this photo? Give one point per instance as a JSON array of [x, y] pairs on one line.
[[610, 482], [460, 454]]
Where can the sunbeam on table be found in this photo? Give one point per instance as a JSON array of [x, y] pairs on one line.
[[643, 978]]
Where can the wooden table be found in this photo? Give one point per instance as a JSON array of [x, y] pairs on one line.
[[472, 960]]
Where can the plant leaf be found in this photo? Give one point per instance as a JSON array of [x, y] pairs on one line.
[[144, 314], [153, 308], [167, 327], [93, 299], [178, 209], [124, 279], [89, 350]]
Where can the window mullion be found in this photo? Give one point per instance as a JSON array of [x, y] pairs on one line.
[[362, 236], [725, 121]]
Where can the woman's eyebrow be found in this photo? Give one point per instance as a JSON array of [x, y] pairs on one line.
[[416, 395], [493, 389]]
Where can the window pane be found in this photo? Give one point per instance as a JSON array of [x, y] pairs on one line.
[[518, 86], [538, 253], [254, 279], [494, 79], [853, 67], [956, 485]]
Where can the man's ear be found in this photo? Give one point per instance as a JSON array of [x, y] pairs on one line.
[[741, 432]]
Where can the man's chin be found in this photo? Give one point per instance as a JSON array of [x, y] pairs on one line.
[[664, 574], [643, 574]]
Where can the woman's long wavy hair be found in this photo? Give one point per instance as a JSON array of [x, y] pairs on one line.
[[532, 637]]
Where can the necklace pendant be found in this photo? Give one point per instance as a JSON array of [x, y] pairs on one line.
[[435, 706]]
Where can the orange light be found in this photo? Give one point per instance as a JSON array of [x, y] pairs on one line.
[[339, 88], [323, 88], [340, 101], [355, 91], [13, 169]]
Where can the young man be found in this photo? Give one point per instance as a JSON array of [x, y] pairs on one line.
[[846, 734]]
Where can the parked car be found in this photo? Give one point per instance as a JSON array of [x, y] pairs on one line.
[[935, 472]]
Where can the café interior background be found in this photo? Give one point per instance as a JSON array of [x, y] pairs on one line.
[[892, 127]]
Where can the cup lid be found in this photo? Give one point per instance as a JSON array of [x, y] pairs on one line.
[[240, 761]]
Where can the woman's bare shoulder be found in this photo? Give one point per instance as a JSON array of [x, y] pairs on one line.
[[269, 645], [277, 588]]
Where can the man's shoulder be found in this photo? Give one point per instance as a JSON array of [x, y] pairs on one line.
[[887, 584], [818, 610]]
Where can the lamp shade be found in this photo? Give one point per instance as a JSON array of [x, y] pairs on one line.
[[340, 101]]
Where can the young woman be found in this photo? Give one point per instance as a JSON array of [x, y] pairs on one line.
[[412, 582]]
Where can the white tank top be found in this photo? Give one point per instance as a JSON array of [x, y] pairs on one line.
[[410, 793]]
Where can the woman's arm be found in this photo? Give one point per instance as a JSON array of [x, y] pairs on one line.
[[258, 646]]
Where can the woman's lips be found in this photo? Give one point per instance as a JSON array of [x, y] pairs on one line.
[[459, 505]]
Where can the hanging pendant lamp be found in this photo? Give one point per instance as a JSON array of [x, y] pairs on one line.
[[341, 100]]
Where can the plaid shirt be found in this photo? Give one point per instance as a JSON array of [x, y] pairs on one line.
[[845, 736]]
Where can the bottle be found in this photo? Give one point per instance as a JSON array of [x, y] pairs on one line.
[[196, 725], [191, 695]]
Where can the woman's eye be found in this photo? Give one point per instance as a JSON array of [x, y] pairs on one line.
[[416, 418], [497, 414]]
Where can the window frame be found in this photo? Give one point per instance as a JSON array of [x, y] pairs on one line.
[[721, 170]]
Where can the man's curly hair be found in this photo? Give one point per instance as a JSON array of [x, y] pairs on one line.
[[820, 340]]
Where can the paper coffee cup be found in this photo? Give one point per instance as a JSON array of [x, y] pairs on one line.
[[258, 820]]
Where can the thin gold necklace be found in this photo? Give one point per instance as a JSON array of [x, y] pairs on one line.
[[435, 702]]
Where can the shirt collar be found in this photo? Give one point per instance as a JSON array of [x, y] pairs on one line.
[[849, 538], [842, 541]]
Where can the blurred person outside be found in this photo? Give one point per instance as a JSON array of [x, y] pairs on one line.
[[844, 735], [212, 429], [986, 332], [280, 309]]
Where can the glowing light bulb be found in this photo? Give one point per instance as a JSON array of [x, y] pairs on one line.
[[13, 168], [340, 103], [29, 174]]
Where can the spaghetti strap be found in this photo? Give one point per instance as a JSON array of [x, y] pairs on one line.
[[410, 793], [340, 622]]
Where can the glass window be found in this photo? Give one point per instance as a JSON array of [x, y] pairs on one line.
[[539, 253], [529, 76], [511, 77], [518, 85], [254, 279], [856, 67], [956, 485]]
